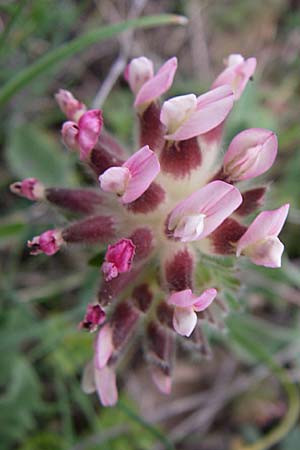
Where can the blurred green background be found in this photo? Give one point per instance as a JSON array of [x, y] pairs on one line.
[[249, 388]]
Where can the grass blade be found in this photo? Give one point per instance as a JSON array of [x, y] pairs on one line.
[[78, 44]]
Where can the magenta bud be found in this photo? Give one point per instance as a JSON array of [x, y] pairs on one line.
[[179, 271], [69, 134], [118, 258], [94, 317], [226, 236], [180, 158], [252, 200], [30, 188], [76, 200], [48, 242], [72, 108], [95, 229]]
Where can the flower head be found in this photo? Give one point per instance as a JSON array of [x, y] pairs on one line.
[[161, 216]]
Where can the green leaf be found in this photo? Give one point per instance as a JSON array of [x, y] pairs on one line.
[[9, 230], [31, 152], [65, 51]]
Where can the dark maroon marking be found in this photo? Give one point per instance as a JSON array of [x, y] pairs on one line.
[[142, 297], [252, 200], [181, 157], [160, 341], [179, 271], [109, 290], [151, 129], [101, 160], [143, 241], [77, 200], [165, 314], [122, 322], [148, 201], [95, 229], [229, 232]]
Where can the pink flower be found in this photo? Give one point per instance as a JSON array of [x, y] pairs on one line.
[[30, 188], [85, 134], [189, 116], [186, 305], [202, 212], [104, 346], [146, 86], [237, 74], [118, 258], [251, 153], [48, 242], [101, 380], [134, 177], [69, 105], [94, 317], [260, 242]]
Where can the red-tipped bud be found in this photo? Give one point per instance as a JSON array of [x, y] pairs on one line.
[[94, 317], [92, 230], [82, 201], [118, 258], [48, 242], [30, 188], [72, 108]]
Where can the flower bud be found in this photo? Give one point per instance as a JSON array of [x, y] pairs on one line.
[[118, 259], [69, 134], [72, 108], [48, 242], [30, 188], [250, 154], [94, 317], [138, 71]]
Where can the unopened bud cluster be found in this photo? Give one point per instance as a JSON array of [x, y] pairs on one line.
[[157, 209]]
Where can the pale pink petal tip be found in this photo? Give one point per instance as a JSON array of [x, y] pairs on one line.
[[30, 188], [260, 242], [158, 84], [250, 154], [70, 106], [118, 259], [187, 116], [104, 346], [132, 179], [186, 305], [202, 212], [237, 74], [162, 381], [94, 317], [105, 381], [48, 242], [90, 125]]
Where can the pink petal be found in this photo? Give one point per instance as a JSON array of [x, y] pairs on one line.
[[30, 188], [104, 346], [267, 224], [115, 179], [158, 84], [69, 133], [184, 320], [48, 242], [183, 298], [105, 380], [90, 126], [236, 75], [69, 105], [144, 167], [251, 153], [205, 299], [266, 253], [161, 380], [138, 72], [212, 109], [217, 201]]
